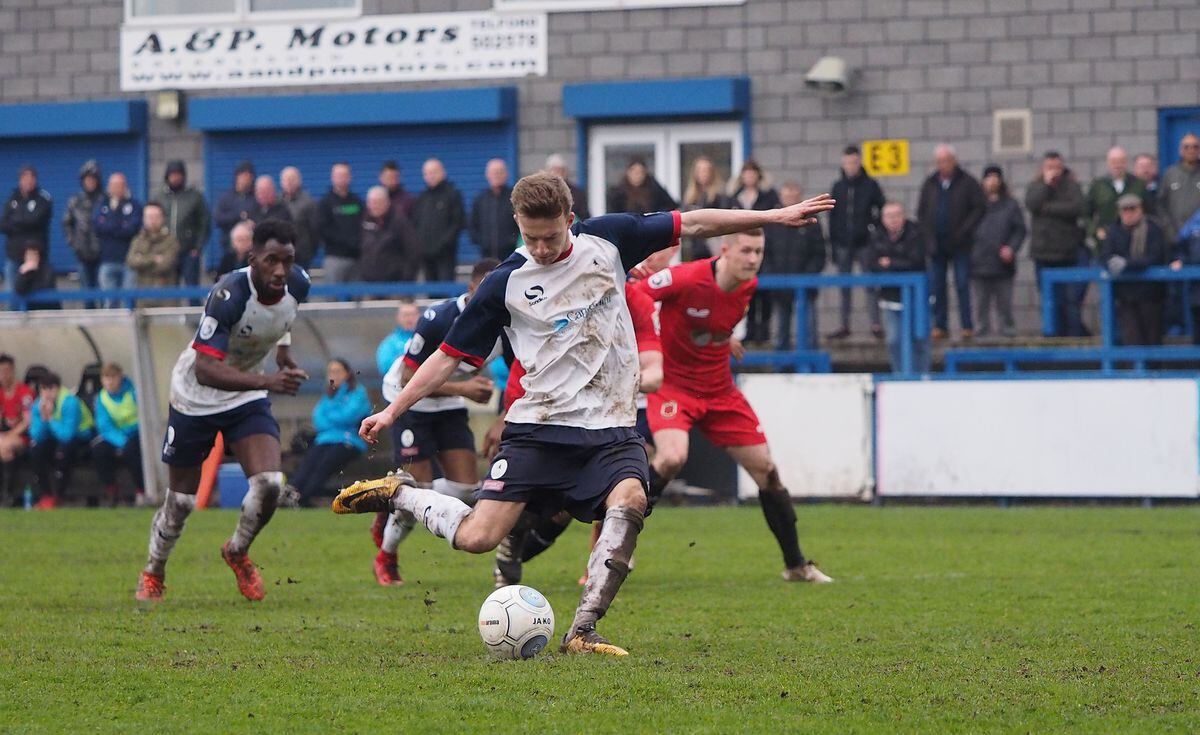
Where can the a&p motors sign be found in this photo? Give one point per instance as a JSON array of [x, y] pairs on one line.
[[377, 48]]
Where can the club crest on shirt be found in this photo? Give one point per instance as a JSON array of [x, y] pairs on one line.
[[208, 327]]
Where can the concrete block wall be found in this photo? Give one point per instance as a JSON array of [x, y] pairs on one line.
[[1094, 72]]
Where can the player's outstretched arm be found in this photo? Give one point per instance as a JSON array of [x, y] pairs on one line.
[[435, 371], [218, 374], [717, 222]]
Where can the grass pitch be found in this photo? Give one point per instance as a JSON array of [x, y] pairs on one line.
[[942, 619]]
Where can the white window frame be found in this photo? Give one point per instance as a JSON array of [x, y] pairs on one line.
[[242, 14], [666, 138], [556, 6]]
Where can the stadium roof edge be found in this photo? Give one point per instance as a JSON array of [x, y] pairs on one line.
[[417, 107], [657, 98], [48, 119]]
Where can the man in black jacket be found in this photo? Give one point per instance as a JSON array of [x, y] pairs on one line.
[[438, 217], [339, 223], [851, 222], [266, 202], [794, 250], [235, 205], [951, 205], [77, 226], [492, 227], [897, 247], [187, 219], [1133, 244], [26, 226]]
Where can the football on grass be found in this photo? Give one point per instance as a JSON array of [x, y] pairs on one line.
[[516, 622]]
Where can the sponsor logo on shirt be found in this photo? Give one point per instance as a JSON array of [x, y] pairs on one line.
[[578, 315], [662, 279], [698, 313], [535, 294]]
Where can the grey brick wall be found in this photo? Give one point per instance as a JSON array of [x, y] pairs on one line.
[[1093, 71]]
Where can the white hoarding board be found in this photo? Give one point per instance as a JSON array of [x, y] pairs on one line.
[[819, 430], [373, 48], [1049, 438]]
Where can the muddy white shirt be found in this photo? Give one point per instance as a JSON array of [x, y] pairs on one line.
[[240, 330], [568, 322]]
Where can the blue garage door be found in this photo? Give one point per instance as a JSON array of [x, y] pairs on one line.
[[110, 132], [1174, 123], [464, 148]]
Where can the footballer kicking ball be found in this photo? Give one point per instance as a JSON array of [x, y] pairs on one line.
[[516, 622]]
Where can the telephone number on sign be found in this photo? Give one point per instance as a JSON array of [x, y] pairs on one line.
[[508, 40]]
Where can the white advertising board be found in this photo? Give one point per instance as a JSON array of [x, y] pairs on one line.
[[1030, 438], [373, 48], [819, 431]]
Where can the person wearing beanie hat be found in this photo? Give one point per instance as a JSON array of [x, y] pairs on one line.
[[235, 205], [25, 224], [77, 225], [998, 238], [187, 220]]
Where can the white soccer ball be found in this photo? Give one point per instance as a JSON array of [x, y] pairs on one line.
[[516, 622]]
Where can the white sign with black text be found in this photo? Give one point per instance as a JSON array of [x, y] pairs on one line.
[[378, 48]]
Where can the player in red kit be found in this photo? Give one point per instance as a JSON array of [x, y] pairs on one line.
[[702, 303]]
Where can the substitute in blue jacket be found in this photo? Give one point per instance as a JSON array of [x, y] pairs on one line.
[[116, 444], [395, 344], [336, 418], [61, 427]]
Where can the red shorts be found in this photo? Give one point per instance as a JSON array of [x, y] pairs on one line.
[[726, 419]]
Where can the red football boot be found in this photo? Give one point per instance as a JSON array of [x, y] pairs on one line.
[[386, 571], [249, 581]]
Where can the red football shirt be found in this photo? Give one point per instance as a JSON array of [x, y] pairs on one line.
[[696, 321], [641, 310], [13, 404]]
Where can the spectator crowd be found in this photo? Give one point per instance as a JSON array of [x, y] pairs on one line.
[[970, 231]]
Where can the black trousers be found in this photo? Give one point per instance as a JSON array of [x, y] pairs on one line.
[[320, 463], [438, 267], [53, 463], [1140, 322], [108, 459]]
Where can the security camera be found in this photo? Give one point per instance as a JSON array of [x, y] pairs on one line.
[[830, 75]]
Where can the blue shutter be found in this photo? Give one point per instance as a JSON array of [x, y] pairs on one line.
[[464, 148], [57, 160]]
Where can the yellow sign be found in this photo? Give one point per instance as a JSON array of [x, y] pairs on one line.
[[885, 157]]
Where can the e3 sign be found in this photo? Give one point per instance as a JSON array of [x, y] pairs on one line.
[[885, 157]]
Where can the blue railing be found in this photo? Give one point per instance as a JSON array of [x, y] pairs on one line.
[[913, 287], [336, 291], [1104, 282], [914, 321]]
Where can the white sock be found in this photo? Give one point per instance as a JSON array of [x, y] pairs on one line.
[[399, 525], [257, 508], [441, 514], [166, 529], [462, 490]]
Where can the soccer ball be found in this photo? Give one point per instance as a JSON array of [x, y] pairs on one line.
[[516, 622]]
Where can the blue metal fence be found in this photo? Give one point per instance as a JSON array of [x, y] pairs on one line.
[[913, 287], [1104, 283]]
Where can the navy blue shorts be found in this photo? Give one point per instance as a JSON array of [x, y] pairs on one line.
[[420, 435], [552, 468], [643, 427], [190, 438]]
